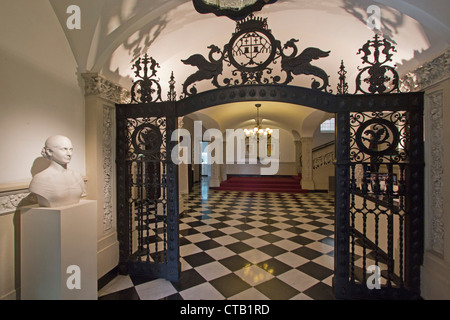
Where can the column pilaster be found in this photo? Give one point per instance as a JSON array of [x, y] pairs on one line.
[[101, 96], [307, 181]]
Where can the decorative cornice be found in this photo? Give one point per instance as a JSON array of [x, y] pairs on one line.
[[427, 75], [15, 196], [12, 202], [98, 85]]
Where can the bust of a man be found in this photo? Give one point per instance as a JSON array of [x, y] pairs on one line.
[[57, 185]]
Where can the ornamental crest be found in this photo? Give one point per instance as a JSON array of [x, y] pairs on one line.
[[252, 54]]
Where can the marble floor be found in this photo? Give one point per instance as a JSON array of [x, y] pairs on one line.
[[246, 246]]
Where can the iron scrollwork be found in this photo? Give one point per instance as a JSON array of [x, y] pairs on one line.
[[381, 135], [379, 157], [378, 135], [252, 52], [146, 139], [379, 77]]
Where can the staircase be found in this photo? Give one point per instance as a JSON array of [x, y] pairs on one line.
[[263, 184]]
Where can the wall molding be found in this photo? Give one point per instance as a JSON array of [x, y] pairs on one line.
[[107, 168], [425, 77], [17, 199], [97, 85], [16, 196], [434, 113]]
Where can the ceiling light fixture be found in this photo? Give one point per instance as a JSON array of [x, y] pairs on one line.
[[258, 131], [233, 9]]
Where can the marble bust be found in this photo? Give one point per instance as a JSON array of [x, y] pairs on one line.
[[57, 185]]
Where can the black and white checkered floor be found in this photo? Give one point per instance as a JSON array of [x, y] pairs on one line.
[[246, 246]]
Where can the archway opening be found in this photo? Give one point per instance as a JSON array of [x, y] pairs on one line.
[[238, 244]]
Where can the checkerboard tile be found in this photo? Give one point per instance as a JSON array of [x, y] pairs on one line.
[[246, 245]]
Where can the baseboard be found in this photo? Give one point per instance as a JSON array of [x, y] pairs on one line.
[[10, 296], [108, 254], [435, 282], [258, 176], [103, 281]]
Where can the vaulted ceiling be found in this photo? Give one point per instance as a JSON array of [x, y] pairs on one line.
[[116, 32]]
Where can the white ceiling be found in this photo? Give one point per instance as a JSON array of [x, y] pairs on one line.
[[115, 32], [302, 120]]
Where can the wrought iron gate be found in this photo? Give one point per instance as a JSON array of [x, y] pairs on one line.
[[147, 191], [380, 184], [379, 203], [379, 197]]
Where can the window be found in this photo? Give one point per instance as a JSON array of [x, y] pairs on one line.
[[327, 126]]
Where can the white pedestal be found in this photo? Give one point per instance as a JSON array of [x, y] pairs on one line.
[[52, 240]]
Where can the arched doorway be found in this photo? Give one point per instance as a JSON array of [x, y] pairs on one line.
[[355, 115], [378, 166]]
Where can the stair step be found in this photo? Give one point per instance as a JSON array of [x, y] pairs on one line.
[[285, 190], [263, 184]]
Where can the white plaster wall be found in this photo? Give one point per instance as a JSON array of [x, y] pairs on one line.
[[321, 138], [7, 257], [40, 97], [287, 158], [39, 87]]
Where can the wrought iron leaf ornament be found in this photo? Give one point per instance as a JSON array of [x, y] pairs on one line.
[[378, 77], [233, 9], [252, 53], [147, 88]]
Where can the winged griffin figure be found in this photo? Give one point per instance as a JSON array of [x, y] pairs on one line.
[[294, 64], [209, 68]]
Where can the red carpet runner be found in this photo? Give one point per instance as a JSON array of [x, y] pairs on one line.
[[263, 184]]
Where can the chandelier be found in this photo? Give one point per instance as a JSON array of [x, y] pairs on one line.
[[233, 9], [231, 4], [258, 131]]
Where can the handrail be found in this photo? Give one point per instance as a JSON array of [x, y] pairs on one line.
[[323, 146]]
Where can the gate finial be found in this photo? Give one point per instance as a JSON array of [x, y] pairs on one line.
[[380, 78], [147, 88], [342, 87], [172, 95]]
